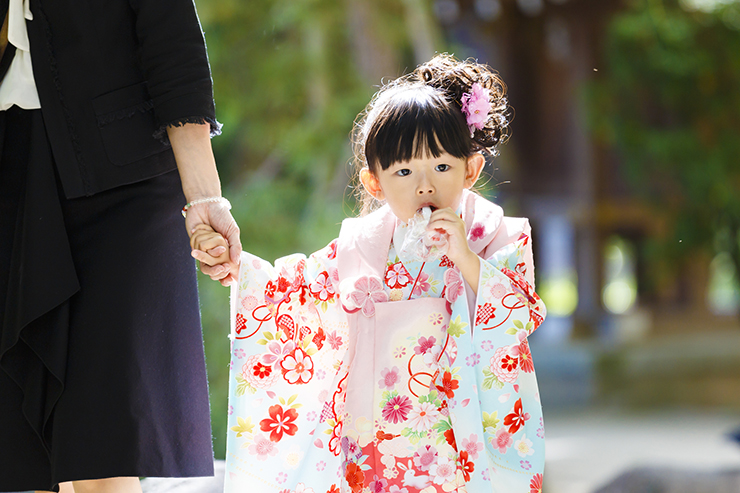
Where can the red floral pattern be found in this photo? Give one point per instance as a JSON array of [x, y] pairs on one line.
[[301, 338], [535, 485], [516, 418], [355, 477], [449, 385], [466, 465], [280, 422]]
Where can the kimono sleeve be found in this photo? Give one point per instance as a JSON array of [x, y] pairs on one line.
[[499, 364], [286, 390]]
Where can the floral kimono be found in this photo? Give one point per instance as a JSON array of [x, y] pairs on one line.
[[361, 369]]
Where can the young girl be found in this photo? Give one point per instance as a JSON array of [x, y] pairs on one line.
[[387, 362]]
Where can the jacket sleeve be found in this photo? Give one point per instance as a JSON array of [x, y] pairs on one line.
[[173, 55]]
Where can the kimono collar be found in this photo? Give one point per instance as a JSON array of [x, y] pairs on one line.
[[482, 221], [364, 241]]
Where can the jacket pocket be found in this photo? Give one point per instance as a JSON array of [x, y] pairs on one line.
[[127, 125]]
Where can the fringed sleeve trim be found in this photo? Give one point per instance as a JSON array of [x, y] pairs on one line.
[[161, 132]]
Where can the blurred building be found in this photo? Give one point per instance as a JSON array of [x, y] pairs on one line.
[[609, 334]]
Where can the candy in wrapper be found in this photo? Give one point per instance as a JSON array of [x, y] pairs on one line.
[[420, 244]]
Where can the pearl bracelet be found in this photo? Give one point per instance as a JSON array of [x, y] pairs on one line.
[[223, 200]]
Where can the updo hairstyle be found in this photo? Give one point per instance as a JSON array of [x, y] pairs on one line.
[[420, 114]]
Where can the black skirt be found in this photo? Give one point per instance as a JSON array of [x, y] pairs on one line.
[[102, 370]]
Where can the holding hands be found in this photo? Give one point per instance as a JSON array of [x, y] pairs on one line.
[[213, 252]]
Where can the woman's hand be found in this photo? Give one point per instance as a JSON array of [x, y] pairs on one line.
[[447, 222], [191, 144]]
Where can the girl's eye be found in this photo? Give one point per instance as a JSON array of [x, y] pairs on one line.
[[403, 172], [442, 167]]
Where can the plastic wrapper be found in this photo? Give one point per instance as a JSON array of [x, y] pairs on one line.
[[421, 244]]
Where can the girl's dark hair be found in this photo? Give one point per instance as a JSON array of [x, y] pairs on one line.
[[421, 113]]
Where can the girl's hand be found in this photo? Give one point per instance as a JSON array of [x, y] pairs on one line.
[[446, 221], [209, 247]]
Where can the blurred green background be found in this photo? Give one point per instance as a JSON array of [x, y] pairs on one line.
[[625, 154]]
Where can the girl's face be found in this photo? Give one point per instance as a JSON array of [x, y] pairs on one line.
[[436, 182]]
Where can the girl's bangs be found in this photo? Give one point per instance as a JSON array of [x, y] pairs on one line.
[[414, 129]]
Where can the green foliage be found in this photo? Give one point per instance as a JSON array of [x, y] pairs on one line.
[[668, 104]]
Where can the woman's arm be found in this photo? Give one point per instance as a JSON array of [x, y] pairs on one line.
[[191, 144]]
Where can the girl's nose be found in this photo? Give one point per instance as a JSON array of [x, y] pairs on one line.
[[424, 187]]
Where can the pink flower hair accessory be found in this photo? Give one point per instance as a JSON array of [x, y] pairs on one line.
[[475, 106]]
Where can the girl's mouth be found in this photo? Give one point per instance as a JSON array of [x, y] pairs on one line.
[[431, 207]]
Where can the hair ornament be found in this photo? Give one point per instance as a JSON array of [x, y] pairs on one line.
[[475, 106]]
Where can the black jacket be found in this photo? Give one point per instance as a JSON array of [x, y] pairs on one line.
[[110, 75]]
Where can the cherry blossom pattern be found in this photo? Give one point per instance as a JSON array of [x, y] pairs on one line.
[[502, 440], [443, 471], [389, 378], [424, 457], [421, 285], [322, 288], [424, 344], [472, 446], [262, 448], [276, 352], [396, 276], [378, 485], [281, 421], [297, 367], [472, 359], [524, 447], [477, 231], [449, 385], [364, 293]]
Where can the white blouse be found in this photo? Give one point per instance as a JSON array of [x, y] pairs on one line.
[[18, 86]]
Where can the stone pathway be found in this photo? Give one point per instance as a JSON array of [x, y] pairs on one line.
[[187, 485], [647, 452]]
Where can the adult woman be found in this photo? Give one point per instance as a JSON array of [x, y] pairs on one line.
[[101, 361]]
